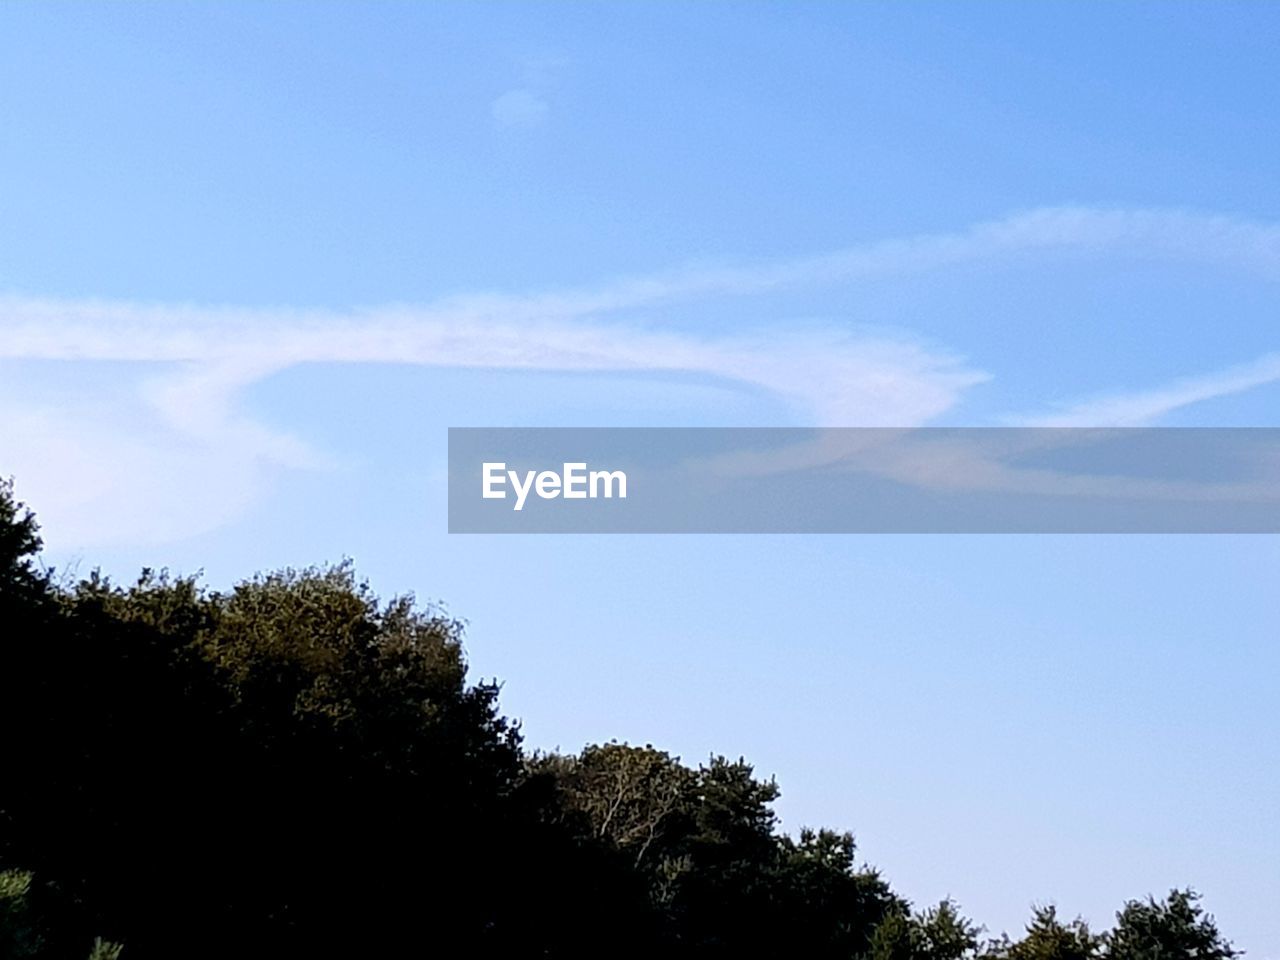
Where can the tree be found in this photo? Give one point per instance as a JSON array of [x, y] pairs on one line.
[[20, 934], [630, 797], [28, 932], [295, 767], [1176, 928], [19, 542], [720, 876], [830, 903], [937, 933], [292, 764], [289, 768], [1048, 938]]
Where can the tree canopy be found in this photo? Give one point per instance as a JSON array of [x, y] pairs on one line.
[[295, 767]]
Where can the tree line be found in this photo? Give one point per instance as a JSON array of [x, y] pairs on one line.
[[296, 768]]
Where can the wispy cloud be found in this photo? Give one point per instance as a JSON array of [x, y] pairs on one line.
[[519, 108], [112, 478], [205, 357], [825, 373], [527, 104], [1105, 464], [1144, 407]]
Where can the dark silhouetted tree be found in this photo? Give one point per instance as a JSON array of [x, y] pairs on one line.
[[937, 933], [1176, 928], [1048, 938], [295, 768]]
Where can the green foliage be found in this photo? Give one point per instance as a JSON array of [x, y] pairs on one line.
[[197, 761], [630, 798], [720, 877], [19, 929], [29, 933], [1176, 928], [297, 768], [1048, 938], [102, 950], [19, 541], [894, 937], [945, 934], [938, 933]]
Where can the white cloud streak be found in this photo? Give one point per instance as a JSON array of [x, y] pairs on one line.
[[1142, 408], [519, 109], [211, 354]]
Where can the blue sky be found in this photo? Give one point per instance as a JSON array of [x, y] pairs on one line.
[[256, 259]]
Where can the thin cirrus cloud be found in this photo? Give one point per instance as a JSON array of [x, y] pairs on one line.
[[519, 108], [527, 105], [179, 423], [122, 471], [1145, 407]]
